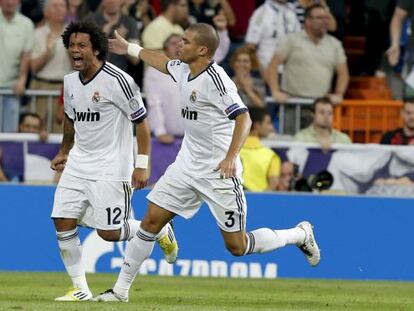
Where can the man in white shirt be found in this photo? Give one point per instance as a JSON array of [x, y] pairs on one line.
[[16, 42], [96, 154], [268, 25], [163, 103], [208, 166]]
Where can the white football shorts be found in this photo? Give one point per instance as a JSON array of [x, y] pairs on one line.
[[178, 192], [98, 204]]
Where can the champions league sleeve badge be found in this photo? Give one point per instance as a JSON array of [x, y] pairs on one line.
[[133, 104]]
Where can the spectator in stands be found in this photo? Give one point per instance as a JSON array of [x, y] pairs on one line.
[[30, 122], [268, 25], [299, 7], [404, 135], [261, 165], [77, 10], [141, 11], [163, 103], [305, 55], [220, 23], [173, 12], [287, 174], [16, 42], [252, 90], [308, 54], [111, 18], [49, 59], [321, 131], [203, 11], [404, 9]]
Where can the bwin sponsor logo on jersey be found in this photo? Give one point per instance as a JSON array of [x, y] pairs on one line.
[[189, 114], [86, 116]]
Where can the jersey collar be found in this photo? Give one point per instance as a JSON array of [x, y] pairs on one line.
[[96, 73], [189, 75]]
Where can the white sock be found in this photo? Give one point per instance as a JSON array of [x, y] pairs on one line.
[[137, 250], [129, 229], [292, 236], [71, 254], [264, 240]]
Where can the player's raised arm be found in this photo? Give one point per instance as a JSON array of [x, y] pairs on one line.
[[121, 46]]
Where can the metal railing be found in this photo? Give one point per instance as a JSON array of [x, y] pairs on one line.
[[33, 95], [52, 96], [298, 103]]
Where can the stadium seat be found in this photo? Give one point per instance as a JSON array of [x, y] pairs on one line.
[[366, 120]]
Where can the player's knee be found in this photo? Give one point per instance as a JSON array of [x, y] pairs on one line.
[[235, 249], [110, 236]]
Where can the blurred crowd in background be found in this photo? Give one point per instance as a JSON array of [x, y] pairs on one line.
[[275, 51]]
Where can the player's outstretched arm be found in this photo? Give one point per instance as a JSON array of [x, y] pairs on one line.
[[58, 163], [140, 175], [121, 46]]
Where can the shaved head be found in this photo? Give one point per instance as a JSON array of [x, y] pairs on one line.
[[205, 35]]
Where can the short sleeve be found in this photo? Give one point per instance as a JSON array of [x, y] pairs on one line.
[[28, 46], [275, 164], [340, 54], [175, 69], [69, 111], [223, 94], [286, 44], [39, 45], [254, 30], [127, 97]]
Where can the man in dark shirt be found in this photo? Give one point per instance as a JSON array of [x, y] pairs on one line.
[[404, 135], [110, 19]]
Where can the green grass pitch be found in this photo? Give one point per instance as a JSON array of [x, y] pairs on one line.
[[36, 291]]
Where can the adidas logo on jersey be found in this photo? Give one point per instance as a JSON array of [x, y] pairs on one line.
[[88, 116], [188, 114]]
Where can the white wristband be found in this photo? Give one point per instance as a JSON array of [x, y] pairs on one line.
[[134, 49], [141, 161]]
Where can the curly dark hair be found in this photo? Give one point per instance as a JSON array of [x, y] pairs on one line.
[[98, 38]]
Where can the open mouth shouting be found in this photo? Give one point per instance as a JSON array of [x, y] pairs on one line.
[[77, 62]]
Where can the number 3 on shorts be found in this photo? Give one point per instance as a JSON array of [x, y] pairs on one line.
[[230, 219], [113, 216]]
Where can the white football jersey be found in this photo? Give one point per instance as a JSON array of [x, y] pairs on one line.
[[209, 103], [102, 110]]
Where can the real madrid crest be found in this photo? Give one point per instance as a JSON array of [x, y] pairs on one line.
[[193, 97], [96, 98]]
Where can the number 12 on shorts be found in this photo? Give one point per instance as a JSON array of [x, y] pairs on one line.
[[113, 216]]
